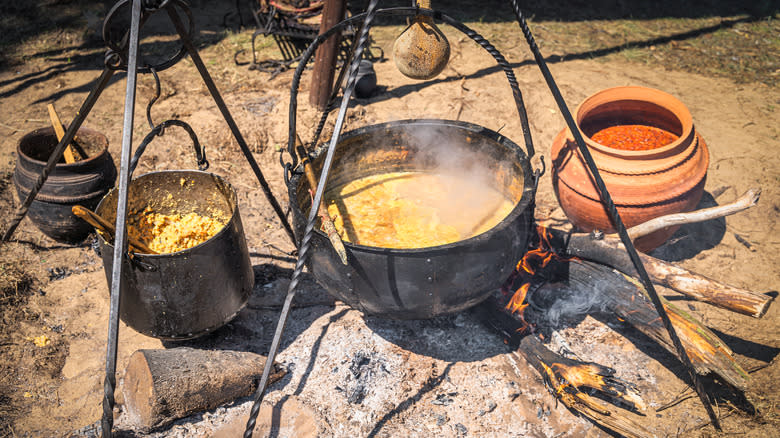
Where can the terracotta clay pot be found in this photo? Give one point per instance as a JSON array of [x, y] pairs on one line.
[[644, 184]]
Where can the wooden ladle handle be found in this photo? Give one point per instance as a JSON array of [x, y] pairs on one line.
[[56, 123], [106, 227]]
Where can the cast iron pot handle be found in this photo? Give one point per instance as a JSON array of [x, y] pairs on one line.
[[403, 12], [158, 131]]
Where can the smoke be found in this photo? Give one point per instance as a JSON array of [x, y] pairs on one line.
[[556, 303]]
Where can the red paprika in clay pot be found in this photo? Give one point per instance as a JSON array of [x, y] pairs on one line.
[[651, 158]]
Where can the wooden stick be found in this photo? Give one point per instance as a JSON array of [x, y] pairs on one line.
[[160, 386], [747, 200], [611, 252], [60, 132], [107, 228], [594, 288], [327, 222]]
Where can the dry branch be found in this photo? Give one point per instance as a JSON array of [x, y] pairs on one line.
[[747, 200]]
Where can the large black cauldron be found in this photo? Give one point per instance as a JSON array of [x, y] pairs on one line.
[[427, 282]]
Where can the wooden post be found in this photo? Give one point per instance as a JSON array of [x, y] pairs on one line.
[[325, 58]]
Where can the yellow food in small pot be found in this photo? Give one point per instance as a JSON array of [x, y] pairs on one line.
[[167, 233]]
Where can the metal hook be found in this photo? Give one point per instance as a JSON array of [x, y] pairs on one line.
[[154, 99]]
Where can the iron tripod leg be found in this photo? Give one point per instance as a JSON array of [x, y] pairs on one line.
[[120, 235], [56, 155]]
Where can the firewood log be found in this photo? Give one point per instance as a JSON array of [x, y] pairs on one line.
[[612, 292], [161, 386], [611, 252]]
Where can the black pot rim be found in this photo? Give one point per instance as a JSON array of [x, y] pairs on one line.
[[50, 130], [188, 250], [519, 208]]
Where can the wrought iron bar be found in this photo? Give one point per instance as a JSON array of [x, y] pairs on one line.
[[120, 236], [614, 215]]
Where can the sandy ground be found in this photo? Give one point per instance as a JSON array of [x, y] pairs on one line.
[[445, 377]]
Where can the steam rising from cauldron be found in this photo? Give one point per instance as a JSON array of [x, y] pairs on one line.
[[470, 181]]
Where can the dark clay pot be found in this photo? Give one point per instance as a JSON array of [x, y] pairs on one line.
[[84, 182]]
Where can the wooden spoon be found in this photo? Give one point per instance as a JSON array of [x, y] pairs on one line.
[[107, 228], [421, 51], [327, 222], [57, 125]]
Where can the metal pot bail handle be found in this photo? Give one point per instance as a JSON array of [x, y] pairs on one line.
[[403, 12], [158, 131]]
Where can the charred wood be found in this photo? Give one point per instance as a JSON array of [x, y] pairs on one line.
[[610, 251]]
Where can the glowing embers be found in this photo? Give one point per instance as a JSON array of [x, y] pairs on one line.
[[533, 261]]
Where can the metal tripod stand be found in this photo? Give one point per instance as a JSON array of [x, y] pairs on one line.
[[122, 54]]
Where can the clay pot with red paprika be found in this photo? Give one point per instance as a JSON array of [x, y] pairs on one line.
[[648, 152]]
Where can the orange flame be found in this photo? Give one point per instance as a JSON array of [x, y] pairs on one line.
[[533, 260]]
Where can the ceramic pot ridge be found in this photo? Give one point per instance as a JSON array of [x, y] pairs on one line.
[[644, 184]]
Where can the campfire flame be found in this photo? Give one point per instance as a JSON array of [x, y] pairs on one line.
[[533, 260]]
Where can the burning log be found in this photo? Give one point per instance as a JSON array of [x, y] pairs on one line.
[[610, 251], [161, 386], [567, 379], [612, 292]]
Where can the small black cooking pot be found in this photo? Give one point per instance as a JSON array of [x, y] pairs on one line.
[[189, 293], [426, 282]]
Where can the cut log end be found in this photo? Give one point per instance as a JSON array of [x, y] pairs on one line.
[[139, 390]]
